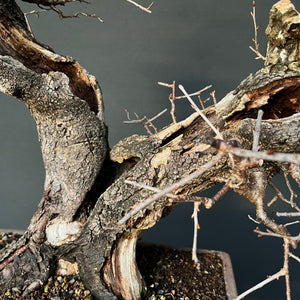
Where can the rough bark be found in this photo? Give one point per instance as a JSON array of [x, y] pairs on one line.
[[85, 194]]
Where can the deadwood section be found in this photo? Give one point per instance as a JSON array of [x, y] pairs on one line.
[[85, 191]]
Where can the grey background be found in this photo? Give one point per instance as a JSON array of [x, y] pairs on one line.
[[193, 42]]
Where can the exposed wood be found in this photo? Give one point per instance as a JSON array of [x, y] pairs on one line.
[[85, 193]]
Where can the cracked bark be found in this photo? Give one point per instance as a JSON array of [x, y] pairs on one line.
[[85, 194]]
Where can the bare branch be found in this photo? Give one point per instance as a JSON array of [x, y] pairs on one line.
[[280, 196], [286, 247], [290, 189], [291, 223], [283, 272], [269, 233], [256, 132], [294, 257], [256, 51], [213, 94], [172, 98], [52, 5], [146, 9], [144, 121], [261, 284], [218, 134], [288, 214], [196, 227], [76, 15], [265, 155], [180, 183], [156, 116], [253, 220], [196, 93]]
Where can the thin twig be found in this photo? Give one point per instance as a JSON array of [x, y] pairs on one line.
[[176, 185], [218, 134], [12, 256], [280, 196], [291, 223], [290, 189], [172, 98], [144, 121], [146, 9], [148, 187], [261, 284], [253, 220], [273, 200], [34, 12], [265, 155], [268, 233], [256, 133], [201, 102], [213, 95], [286, 247], [76, 15], [294, 257], [194, 94], [196, 227], [207, 202], [288, 214], [156, 116], [256, 51]]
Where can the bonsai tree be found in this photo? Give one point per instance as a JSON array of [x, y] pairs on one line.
[[97, 201]]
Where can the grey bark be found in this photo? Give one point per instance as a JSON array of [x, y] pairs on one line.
[[85, 194]]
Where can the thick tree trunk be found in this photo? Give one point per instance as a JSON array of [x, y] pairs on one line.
[[85, 193]]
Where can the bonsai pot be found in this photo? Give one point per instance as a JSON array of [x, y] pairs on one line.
[[169, 273]]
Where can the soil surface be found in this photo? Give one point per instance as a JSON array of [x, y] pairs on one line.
[[169, 274]]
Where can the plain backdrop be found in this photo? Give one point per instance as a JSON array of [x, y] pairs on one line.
[[196, 43]]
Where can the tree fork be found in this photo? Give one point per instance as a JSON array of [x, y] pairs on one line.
[[85, 193]]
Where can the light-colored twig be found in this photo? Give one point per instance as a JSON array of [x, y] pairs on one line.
[[216, 131], [286, 247], [256, 133], [148, 187], [146, 9], [194, 94], [282, 272], [144, 121], [207, 202], [256, 50], [265, 155], [201, 102], [288, 214], [268, 233], [253, 220], [280, 196], [294, 257], [213, 95], [156, 116], [291, 223], [196, 228], [34, 12], [273, 200], [261, 284], [290, 189], [172, 98], [176, 185]]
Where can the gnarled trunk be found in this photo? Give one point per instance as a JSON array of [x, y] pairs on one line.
[[85, 193]]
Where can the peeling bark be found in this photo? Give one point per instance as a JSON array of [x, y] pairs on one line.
[[85, 194]]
